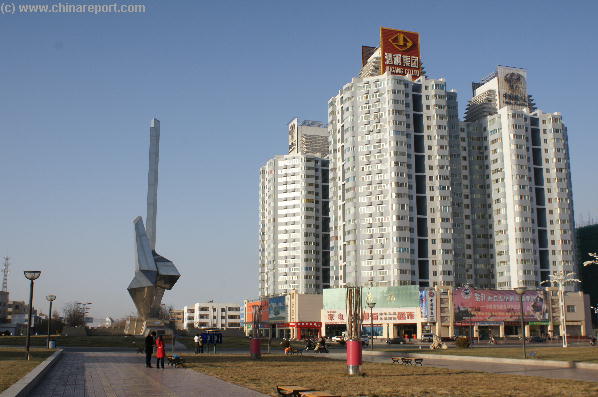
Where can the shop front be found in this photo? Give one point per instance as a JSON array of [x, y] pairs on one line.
[[303, 329]]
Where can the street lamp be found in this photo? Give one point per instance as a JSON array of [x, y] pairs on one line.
[[371, 305], [49, 298], [30, 275], [521, 291], [560, 279]]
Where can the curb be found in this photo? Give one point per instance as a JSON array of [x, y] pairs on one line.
[[538, 363], [26, 384]]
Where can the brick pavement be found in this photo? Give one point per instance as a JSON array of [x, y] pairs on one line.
[[123, 374]]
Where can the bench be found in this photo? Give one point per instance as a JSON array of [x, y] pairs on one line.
[[407, 361], [176, 361], [317, 394], [292, 390]]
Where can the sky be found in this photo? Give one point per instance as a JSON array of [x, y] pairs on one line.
[[224, 78]]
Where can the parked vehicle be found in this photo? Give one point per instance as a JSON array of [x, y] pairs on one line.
[[365, 340], [395, 341], [537, 339], [427, 337], [338, 339]]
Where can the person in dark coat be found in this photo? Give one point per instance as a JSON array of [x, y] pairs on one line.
[[149, 348]]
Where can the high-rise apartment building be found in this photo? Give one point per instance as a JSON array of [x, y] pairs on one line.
[[418, 197], [522, 204], [396, 196], [294, 225]]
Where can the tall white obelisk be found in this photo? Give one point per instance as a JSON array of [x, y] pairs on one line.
[[152, 182]]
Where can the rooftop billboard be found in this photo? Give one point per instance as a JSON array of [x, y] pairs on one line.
[[400, 52]]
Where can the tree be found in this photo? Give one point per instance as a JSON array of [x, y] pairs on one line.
[[74, 315]]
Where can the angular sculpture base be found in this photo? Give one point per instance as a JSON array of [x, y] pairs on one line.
[[137, 326]]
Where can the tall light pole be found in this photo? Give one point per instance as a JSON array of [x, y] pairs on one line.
[[560, 279], [30, 275], [521, 291], [49, 298], [371, 305]]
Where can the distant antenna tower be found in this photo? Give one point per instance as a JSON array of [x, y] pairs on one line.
[[5, 274]]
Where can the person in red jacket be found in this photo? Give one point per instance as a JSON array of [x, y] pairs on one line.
[[160, 352]]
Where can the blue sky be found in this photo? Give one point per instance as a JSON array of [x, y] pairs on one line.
[[224, 78]]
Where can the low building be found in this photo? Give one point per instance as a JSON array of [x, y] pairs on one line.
[[409, 311], [212, 315], [3, 307], [291, 316], [178, 316]]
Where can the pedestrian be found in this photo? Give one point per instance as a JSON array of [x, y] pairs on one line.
[[149, 348], [200, 344], [160, 352], [196, 339]]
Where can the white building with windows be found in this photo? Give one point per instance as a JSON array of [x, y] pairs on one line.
[[294, 225], [212, 315], [418, 197]]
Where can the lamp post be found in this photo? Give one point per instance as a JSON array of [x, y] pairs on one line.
[[521, 291], [560, 279], [371, 305], [49, 298], [30, 275]]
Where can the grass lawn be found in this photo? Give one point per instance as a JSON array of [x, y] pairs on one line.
[[13, 365], [380, 379], [63, 341], [586, 354]]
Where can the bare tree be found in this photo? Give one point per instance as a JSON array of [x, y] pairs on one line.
[[74, 315]]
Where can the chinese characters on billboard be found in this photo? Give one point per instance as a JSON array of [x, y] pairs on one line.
[[400, 52], [474, 306], [427, 304], [384, 315], [512, 87]]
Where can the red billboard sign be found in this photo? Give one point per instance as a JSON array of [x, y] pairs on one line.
[[484, 305], [251, 307], [400, 52]]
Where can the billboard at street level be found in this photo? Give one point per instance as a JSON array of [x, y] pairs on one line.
[[512, 87], [250, 308], [484, 305], [427, 304], [400, 52], [278, 309]]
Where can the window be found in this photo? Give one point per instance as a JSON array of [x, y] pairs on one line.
[[570, 308]]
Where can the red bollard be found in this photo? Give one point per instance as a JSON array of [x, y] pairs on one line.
[[354, 357], [254, 348]]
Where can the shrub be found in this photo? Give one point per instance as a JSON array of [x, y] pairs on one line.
[[462, 342]]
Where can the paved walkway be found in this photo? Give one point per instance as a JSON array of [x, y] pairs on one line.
[[510, 369], [123, 374]]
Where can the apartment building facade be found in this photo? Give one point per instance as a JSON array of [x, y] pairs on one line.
[[294, 225], [212, 315]]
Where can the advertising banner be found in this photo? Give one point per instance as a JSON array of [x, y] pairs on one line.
[[379, 315], [251, 307], [385, 297], [400, 52], [427, 304], [278, 309], [475, 306], [512, 87]]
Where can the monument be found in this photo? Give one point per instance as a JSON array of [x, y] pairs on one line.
[[153, 273]]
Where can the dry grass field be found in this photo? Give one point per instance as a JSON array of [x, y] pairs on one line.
[[379, 379], [587, 354], [13, 365]]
